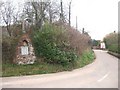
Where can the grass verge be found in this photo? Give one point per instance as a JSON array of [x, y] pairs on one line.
[[114, 54], [44, 68], [86, 58]]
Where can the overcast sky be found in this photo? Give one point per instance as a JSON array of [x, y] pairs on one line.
[[98, 17]]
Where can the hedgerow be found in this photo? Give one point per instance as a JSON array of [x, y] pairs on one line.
[[111, 41], [51, 42]]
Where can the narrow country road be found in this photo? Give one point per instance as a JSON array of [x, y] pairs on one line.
[[102, 73]]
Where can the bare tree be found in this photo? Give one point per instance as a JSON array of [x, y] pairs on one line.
[[61, 14], [1, 4], [16, 15], [40, 12], [56, 12], [53, 11], [7, 15], [37, 10]]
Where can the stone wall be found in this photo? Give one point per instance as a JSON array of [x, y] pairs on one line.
[[28, 58]]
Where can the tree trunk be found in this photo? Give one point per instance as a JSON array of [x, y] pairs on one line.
[[8, 29]]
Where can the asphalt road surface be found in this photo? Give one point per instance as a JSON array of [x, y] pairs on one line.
[[102, 73]]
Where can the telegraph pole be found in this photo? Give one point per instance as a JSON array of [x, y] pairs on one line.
[[70, 13], [76, 24], [83, 31]]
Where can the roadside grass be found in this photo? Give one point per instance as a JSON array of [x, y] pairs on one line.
[[36, 68], [114, 54], [44, 68], [86, 58]]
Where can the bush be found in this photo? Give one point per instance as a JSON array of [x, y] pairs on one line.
[[80, 42], [52, 43], [8, 49], [111, 41], [113, 48], [87, 57]]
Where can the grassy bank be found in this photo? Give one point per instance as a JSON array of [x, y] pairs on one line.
[[44, 68], [86, 58]]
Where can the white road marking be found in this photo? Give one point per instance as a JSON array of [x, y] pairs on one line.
[[103, 77]]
